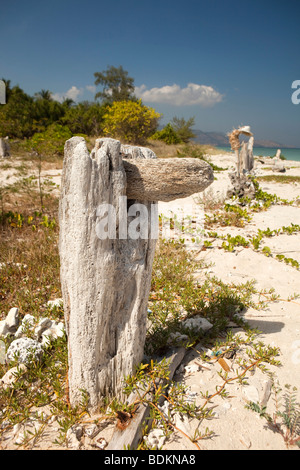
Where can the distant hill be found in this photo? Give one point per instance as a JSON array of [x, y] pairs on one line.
[[219, 139]]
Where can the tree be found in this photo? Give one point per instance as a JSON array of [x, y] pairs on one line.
[[16, 117], [44, 95], [68, 102], [167, 135], [130, 121], [85, 118], [183, 128], [46, 110], [117, 85], [51, 141]]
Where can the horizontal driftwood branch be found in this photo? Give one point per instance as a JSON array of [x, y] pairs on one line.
[[166, 179]]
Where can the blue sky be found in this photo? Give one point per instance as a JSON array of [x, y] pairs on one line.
[[227, 63]]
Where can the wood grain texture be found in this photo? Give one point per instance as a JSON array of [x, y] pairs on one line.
[[166, 179], [105, 283]]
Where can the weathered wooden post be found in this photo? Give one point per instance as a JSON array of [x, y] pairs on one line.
[[250, 157], [241, 184], [4, 147], [241, 155], [106, 254], [246, 155]]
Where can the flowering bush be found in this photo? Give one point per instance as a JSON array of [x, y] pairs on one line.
[[130, 121]]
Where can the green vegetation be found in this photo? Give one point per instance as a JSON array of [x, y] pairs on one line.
[[175, 295], [183, 128], [151, 384], [116, 85], [232, 242], [287, 179], [239, 214], [32, 264], [167, 135], [286, 418], [24, 115], [178, 131], [229, 215], [41, 121], [130, 121], [29, 271], [46, 123], [240, 211], [49, 142], [84, 118]]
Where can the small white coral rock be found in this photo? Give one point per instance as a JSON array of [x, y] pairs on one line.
[[55, 303], [27, 322], [25, 350], [12, 319], [198, 323], [155, 439], [10, 324], [11, 376], [55, 330]]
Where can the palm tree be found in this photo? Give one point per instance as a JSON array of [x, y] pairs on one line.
[[44, 95], [68, 102]]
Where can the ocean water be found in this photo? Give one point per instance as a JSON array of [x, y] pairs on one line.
[[289, 154]]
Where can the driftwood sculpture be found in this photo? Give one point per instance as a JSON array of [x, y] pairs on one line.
[[244, 157], [242, 186], [106, 275]]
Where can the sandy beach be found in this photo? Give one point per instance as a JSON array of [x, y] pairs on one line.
[[233, 426]]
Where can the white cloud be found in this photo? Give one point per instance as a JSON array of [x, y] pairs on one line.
[[72, 93], [193, 94], [91, 88]]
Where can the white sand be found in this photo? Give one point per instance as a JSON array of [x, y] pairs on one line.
[[234, 426]]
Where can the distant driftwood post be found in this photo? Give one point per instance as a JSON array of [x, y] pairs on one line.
[[106, 280], [242, 186], [244, 156]]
